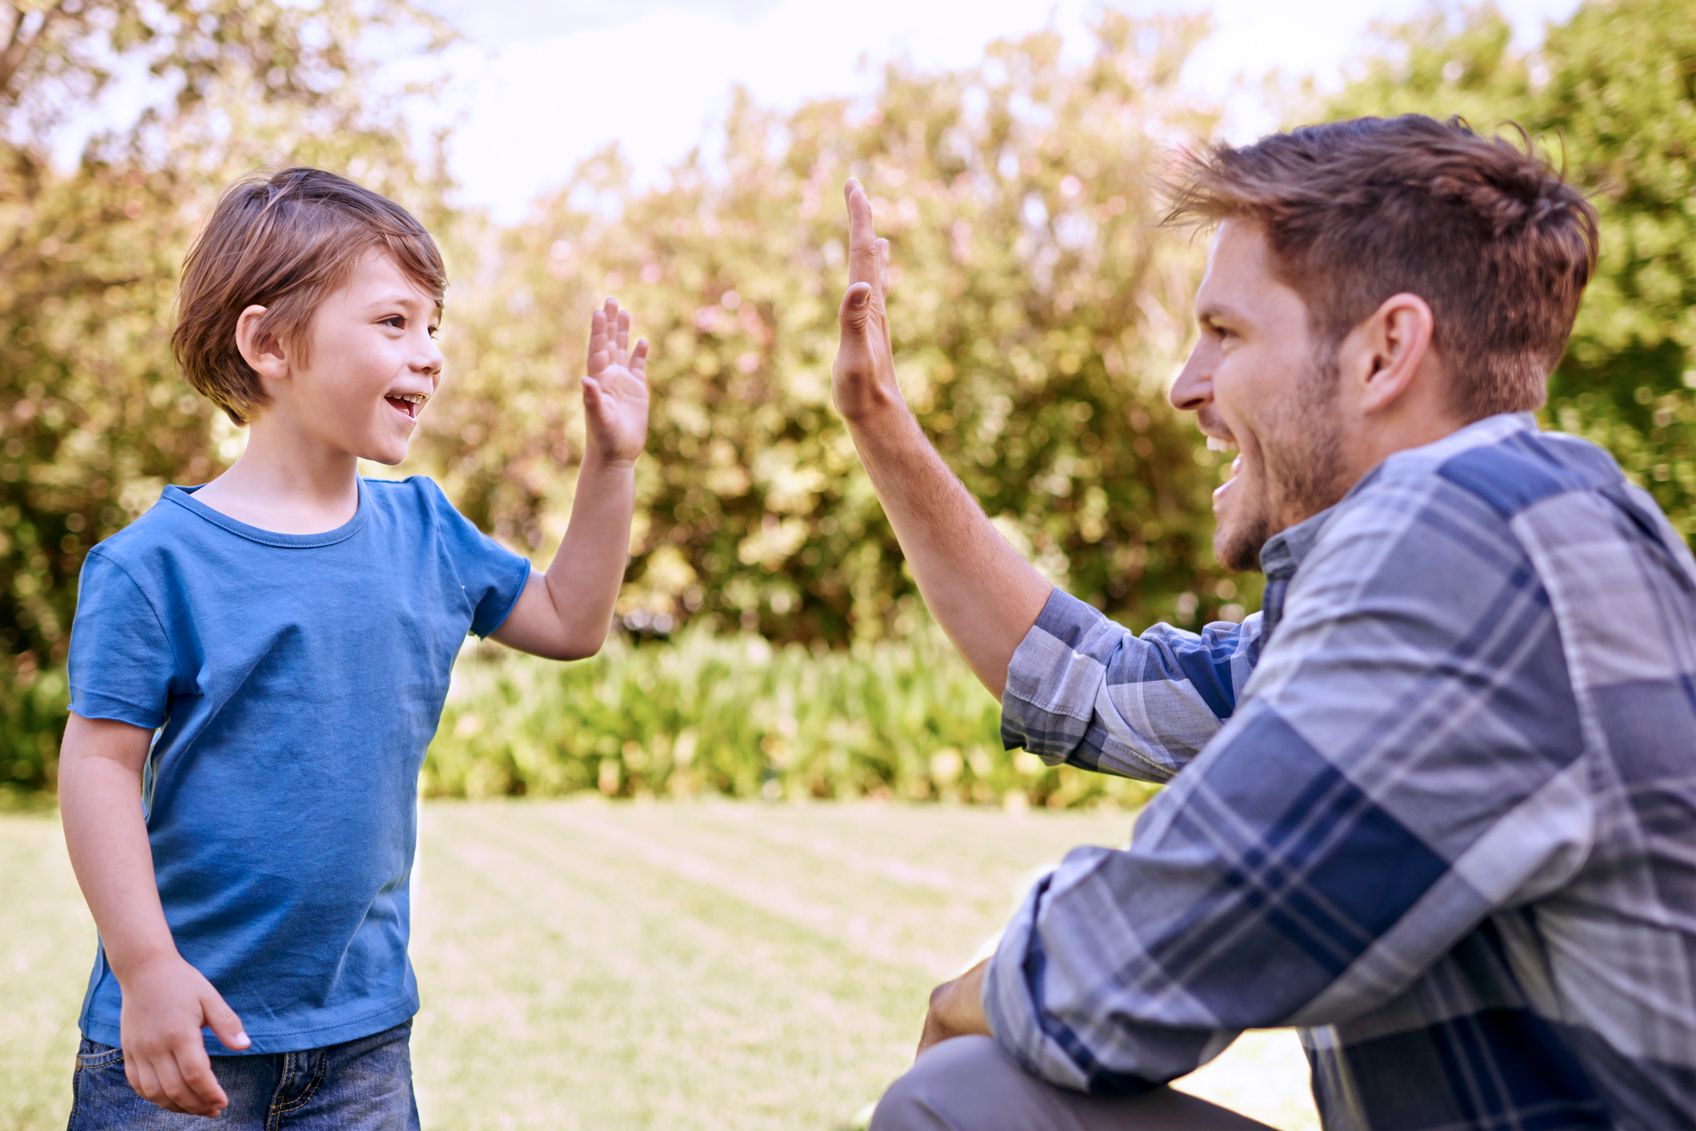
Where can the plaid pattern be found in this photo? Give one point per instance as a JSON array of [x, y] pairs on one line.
[[1445, 822]]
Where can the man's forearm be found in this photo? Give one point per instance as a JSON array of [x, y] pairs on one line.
[[985, 596]]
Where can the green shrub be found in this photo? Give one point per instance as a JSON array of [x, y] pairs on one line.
[[740, 717], [32, 717]]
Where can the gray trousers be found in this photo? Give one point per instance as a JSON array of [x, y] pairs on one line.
[[969, 1084]]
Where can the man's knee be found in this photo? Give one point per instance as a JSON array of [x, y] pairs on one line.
[[929, 1095]]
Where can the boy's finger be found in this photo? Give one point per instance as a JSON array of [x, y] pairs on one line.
[[591, 393], [597, 340], [145, 1082], [223, 1022], [623, 331], [862, 240], [195, 1067], [180, 1095], [883, 265], [639, 360]]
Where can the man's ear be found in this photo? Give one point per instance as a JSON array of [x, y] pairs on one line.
[[1386, 355], [262, 351]]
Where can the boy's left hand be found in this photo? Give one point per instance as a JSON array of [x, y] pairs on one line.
[[615, 392]]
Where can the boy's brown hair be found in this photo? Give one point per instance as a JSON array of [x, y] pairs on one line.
[[1485, 231], [283, 242]]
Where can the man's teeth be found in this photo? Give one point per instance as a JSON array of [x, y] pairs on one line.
[[1215, 444]]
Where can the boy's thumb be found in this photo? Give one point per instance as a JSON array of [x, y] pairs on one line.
[[223, 1022]]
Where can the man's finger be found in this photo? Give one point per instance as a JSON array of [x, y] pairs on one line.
[[856, 310], [862, 239]]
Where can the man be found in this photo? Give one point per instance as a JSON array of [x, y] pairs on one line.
[[1435, 803]]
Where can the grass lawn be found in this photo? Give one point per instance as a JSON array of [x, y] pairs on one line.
[[590, 965]]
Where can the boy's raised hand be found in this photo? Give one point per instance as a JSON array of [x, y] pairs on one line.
[[615, 392], [166, 1004]]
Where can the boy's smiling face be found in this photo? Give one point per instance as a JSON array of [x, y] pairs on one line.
[[372, 363]]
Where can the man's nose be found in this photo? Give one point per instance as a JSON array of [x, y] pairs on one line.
[[1194, 386]]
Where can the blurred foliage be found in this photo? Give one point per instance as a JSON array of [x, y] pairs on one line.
[[94, 417], [741, 717], [1611, 95], [1038, 317], [1037, 312]]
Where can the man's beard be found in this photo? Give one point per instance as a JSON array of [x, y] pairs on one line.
[[1308, 455]]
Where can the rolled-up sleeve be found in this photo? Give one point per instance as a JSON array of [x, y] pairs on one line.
[[1084, 690]]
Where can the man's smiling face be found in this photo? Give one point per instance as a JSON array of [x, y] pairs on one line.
[[1259, 383]]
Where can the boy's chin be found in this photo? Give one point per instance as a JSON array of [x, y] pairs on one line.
[[387, 459]]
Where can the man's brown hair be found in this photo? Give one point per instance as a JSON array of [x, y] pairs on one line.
[[1484, 230], [283, 242]]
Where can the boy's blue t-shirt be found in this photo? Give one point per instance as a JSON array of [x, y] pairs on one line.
[[298, 680]]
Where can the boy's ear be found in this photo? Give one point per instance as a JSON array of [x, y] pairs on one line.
[[260, 349]]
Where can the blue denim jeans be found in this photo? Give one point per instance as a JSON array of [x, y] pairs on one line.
[[363, 1085]]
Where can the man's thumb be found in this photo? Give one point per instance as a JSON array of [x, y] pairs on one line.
[[222, 1020], [855, 304]]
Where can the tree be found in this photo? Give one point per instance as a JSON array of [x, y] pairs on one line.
[[94, 417], [1612, 94], [1040, 314]]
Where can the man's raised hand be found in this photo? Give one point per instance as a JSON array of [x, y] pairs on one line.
[[615, 391], [863, 378]]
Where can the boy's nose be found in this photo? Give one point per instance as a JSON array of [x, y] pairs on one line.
[[430, 361]]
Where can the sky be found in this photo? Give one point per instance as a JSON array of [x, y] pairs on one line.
[[536, 87]]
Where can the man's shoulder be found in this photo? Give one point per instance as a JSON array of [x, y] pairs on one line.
[[1503, 462]]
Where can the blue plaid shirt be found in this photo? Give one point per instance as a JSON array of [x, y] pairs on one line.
[[1435, 805]]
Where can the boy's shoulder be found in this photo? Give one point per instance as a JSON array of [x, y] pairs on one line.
[[412, 499], [162, 524]]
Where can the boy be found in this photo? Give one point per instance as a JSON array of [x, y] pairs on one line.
[[258, 664]]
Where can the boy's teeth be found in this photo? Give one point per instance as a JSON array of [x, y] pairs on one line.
[[1215, 444]]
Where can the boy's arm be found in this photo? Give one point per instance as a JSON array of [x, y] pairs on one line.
[[165, 1000], [565, 613]]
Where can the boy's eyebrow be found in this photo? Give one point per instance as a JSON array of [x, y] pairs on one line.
[[412, 301]]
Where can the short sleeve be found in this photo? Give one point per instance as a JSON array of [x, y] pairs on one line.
[[121, 663], [492, 575]]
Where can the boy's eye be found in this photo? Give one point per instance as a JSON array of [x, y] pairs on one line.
[[434, 330], [395, 320]]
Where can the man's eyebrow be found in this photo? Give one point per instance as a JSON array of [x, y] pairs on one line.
[[1214, 312]]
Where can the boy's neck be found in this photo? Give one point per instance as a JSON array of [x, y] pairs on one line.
[[285, 483]]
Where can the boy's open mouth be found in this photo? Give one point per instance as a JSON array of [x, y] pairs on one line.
[[409, 403]]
